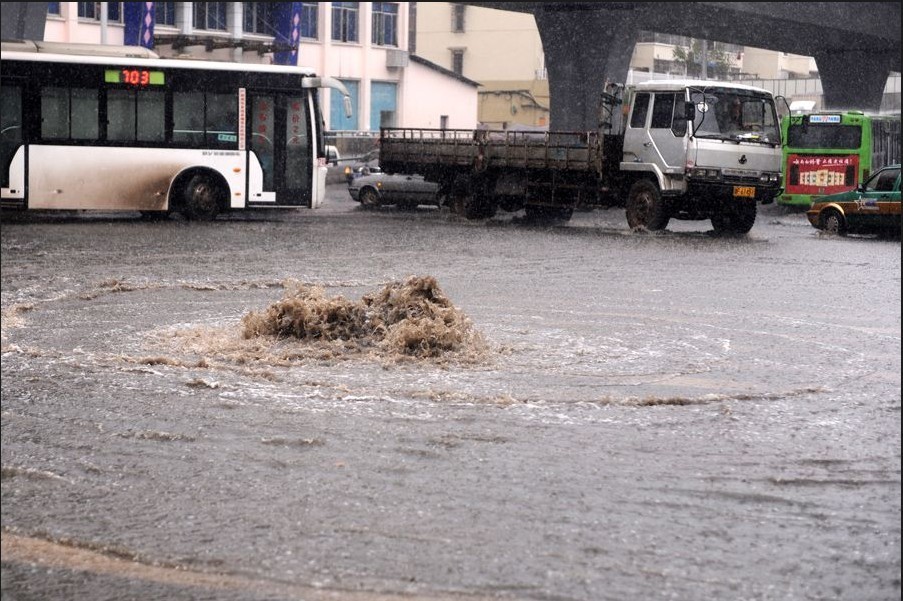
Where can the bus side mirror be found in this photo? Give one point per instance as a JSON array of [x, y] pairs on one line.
[[348, 112]]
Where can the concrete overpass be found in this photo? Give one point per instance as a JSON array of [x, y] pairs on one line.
[[855, 44]]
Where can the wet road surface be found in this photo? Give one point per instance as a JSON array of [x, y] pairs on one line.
[[667, 416]]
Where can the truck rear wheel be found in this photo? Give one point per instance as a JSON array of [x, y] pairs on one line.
[[645, 207], [472, 199]]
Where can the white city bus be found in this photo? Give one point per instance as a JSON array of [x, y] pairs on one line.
[[106, 128]]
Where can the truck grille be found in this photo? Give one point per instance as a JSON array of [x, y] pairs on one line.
[[740, 176]]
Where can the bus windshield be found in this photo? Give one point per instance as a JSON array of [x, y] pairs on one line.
[[806, 135]]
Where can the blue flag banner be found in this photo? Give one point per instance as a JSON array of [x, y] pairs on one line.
[[138, 18], [287, 16]]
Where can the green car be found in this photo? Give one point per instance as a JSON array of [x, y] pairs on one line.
[[872, 208]]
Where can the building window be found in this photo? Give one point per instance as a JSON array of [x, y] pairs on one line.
[[165, 13], [660, 65], [458, 18], [91, 10], [344, 21], [53, 8], [385, 24], [259, 18], [457, 61], [309, 20], [210, 16]]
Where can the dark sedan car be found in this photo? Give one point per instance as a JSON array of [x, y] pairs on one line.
[[872, 208], [404, 191]]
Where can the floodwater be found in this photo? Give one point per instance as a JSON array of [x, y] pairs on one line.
[[590, 414]]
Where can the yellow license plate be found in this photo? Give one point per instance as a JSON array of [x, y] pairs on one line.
[[745, 191]]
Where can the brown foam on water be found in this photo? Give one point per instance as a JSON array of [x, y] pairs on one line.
[[410, 319]]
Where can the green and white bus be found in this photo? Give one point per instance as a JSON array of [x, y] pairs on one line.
[[88, 127], [834, 151]]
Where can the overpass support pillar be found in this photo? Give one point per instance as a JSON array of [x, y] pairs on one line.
[[854, 79], [23, 20], [581, 54]]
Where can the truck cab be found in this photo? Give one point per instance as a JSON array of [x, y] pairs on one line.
[[699, 150]]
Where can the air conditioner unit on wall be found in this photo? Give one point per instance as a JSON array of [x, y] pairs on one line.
[[396, 59]]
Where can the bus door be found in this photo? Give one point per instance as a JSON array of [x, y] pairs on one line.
[[279, 134], [12, 151]]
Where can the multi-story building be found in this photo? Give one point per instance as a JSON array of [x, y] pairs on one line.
[[501, 50], [363, 44]]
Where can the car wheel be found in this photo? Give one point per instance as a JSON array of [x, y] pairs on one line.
[[833, 223], [645, 207], [369, 198]]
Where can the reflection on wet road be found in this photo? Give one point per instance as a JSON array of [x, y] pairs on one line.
[[674, 416]]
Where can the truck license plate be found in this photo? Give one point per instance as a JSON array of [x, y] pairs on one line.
[[745, 191]]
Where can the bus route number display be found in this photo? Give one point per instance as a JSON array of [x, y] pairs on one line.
[[824, 118], [134, 77]]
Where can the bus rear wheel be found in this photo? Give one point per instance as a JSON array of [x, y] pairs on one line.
[[202, 198]]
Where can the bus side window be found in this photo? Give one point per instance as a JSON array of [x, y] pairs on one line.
[[222, 120], [121, 115], [188, 118], [54, 113], [69, 114], [136, 117], [85, 123]]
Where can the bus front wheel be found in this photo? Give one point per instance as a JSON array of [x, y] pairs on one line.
[[202, 198]]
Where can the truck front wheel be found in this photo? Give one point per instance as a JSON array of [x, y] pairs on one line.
[[646, 208]]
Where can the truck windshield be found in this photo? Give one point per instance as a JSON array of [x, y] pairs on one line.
[[736, 115]]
